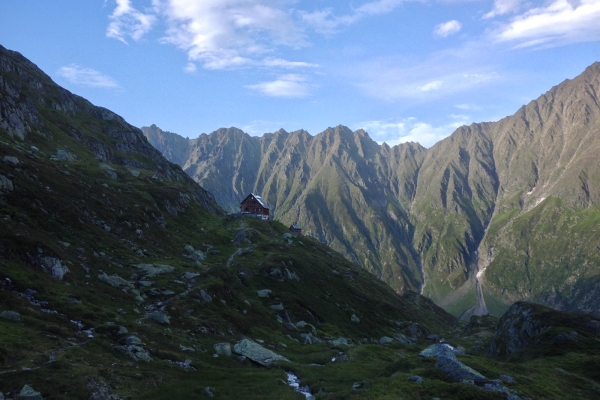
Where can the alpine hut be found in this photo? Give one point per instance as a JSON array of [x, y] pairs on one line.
[[255, 206]]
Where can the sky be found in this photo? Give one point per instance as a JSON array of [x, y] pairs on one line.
[[403, 70]]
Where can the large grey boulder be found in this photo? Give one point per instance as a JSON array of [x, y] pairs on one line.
[[63, 155], [6, 184], [222, 349], [436, 350], [457, 370], [138, 353], [54, 267], [264, 293], [257, 353], [11, 315], [27, 393], [339, 342]]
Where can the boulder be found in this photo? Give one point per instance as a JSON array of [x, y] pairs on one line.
[[416, 379], [137, 353], [27, 393], [205, 296], [308, 338], [438, 349], [63, 155], [133, 340], [115, 280], [277, 307], [150, 270], [354, 318], [6, 184], [190, 275], [339, 342], [222, 349], [11, 315], [188, 249], [160, 317], [264, 293], [54, 267], [457, 370], [385, 340], [10, 161], [257, 353]]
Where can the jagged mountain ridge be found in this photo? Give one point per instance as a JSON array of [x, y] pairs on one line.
[[390, 209]]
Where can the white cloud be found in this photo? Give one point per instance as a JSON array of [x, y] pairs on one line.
[[323, 21], [286, 86], [447, 28], [125, 20], [260, 127], [411, 130], [190, 67], [560, 22], [468, 107], [502, 7], [228, 33], [86, 76], [278, 62], [432, 86]]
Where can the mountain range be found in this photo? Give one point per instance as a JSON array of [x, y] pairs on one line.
[[496, 212], [121, 278]]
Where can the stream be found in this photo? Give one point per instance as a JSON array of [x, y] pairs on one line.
[[481, 308], [294, 382]]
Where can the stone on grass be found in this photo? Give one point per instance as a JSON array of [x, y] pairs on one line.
[[150, 270], [385, 340], [277, 307], [54, 267], [339, 342], [416, 379], [222, 349], [27, 393], [10, 161], [506, 378], [190, 275], [63, 155], [137, 353], [264, 293], [457, 370], [133, 340], [115, 280], [160, 317], [354, 318], [308, 338], [257, 353], [205, 296], [11, 315], [6, 184], [436, 350]]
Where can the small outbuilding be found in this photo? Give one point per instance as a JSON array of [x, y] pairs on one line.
[[254, 205], [295, 228]]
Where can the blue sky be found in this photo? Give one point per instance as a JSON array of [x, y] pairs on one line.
[[401, 69]]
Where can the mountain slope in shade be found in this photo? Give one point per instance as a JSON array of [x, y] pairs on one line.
[[513, 202]]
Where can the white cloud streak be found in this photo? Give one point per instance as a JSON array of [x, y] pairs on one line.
[[286, 86], [502, 7], [190, 68], [125, 21], [325, 22], [447, 28], [559, 23], [79, 75], [411, 130]]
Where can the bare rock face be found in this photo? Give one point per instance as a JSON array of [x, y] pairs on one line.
[[527, 325]]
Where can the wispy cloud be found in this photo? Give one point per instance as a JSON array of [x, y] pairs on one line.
[[325, 22], [126, 21], [79, 75], [286, 86], [411, 130], [502, 7], [558, 23], [432, 86], [447, 28], [190, 67]]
